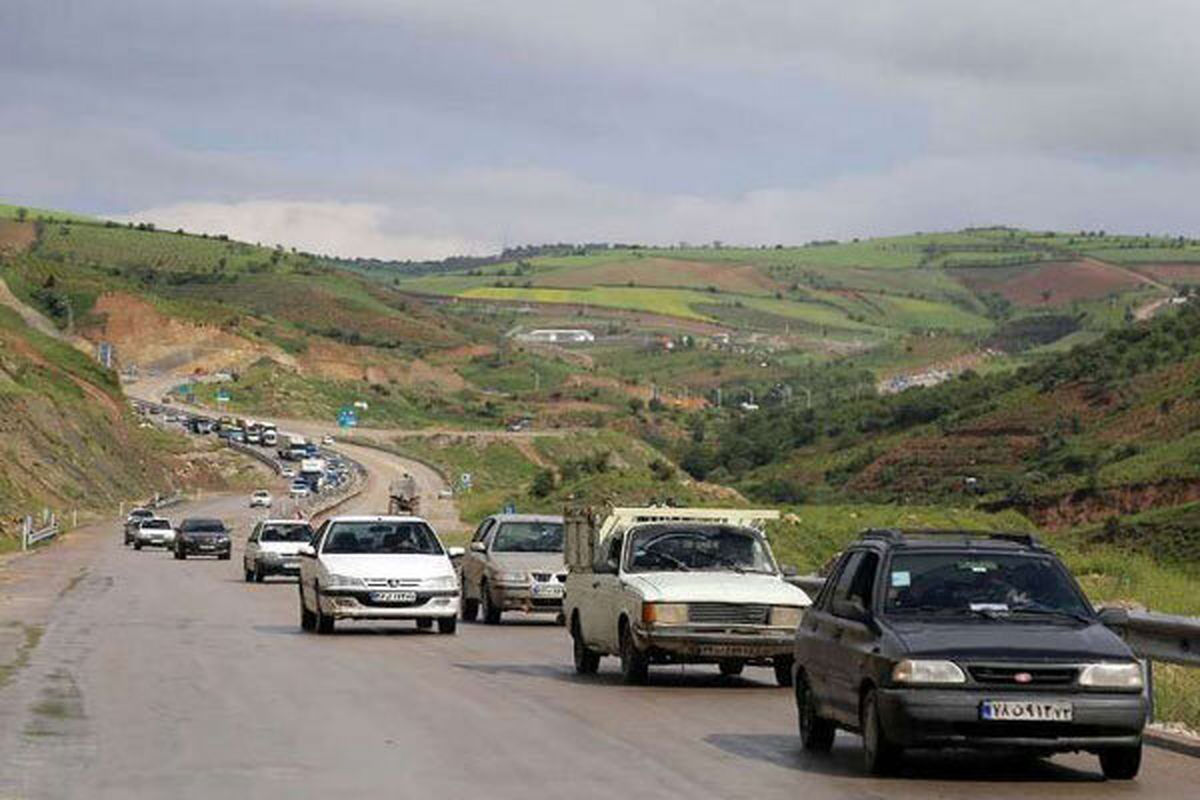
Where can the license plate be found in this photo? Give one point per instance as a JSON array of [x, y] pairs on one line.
[[394, 597], [547, 590], [732, 650], [291, 565], [1025, 711], [207, 546]]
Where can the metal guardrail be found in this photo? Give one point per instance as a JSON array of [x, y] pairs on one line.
[[255, 453], [1167, 638], [31, 536]]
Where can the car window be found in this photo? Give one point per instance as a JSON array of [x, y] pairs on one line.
[[156, 523], [980, 583], [613, 553], [380, 538], [481, 531], [254, 533], [845, 578], [528, 537], [712, 548], [286, 533]]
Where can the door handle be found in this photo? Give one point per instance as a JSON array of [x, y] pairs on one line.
[[596, 585]]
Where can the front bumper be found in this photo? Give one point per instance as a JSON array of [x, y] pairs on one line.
[[693, 644], [951, 718], [205, 549], [528, 597], [357, 604], [278, 566], [155, 541]]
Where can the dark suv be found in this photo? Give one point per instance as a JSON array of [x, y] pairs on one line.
[[202, 537], [950, 639]]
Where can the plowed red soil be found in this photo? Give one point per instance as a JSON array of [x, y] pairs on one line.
[[1065, 281]]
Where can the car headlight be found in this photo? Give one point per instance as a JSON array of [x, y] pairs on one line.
[[512, 577], [440, 582], [344, 581], [927, 672], [1112, 676], [665, 613], [786, 616]]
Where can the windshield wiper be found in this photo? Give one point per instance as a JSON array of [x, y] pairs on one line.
[[1050, 611], [672, 559]]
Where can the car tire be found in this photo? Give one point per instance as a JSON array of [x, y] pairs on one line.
[[424, 624], [491, 614], [181, 555], [137, 545], [259, 575], [324, 623], [783, 671], [223, 557], [248, 575], [816, 732], [470, 609], [1121, 763], [447, 625], [635, 665], [587, 660], [732, 668], [308, 620], [880, 756]]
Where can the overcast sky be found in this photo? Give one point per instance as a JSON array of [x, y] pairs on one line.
[[401, 129]]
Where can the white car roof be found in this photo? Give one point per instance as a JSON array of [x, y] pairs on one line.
[[379, 518], [280, 522]]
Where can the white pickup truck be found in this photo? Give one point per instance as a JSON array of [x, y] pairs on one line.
[[678, 585]]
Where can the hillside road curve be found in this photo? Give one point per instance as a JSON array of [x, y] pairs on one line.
[[149, 677]]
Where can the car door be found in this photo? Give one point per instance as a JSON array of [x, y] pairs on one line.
[[817, 655], [310, 566], [473, 562], [599, 613], [853, 635], [250, 555]]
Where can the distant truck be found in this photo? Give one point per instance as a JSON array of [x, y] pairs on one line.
[[404, 496], [664, 585], [269, 435], [312, 472]]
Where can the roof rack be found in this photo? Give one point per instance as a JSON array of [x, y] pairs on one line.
[[900, 535]]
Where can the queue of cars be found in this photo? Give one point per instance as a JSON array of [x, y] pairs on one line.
[[916, 639]]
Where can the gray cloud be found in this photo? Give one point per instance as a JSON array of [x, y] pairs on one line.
[[382, 127]]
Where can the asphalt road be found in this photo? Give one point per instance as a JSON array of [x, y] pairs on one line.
[[159, 678]]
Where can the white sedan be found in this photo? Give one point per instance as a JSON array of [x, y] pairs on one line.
[[298, 490], [380, 568], [260, 499]]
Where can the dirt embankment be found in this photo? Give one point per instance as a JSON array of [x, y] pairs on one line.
[[1086, 506]]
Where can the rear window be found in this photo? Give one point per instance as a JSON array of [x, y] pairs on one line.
[[286, 533]]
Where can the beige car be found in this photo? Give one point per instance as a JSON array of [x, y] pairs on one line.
[[514, 563]]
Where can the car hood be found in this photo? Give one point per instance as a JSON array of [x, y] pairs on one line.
[[1009, 641], [388, 566], [528, 562], [717, 587]]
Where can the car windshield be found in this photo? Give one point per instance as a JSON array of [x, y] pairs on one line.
[[715, 548], [140, 513], [156, 523], [286, 533], [529, 537], [204, 526], [381, 538], [983, 584]]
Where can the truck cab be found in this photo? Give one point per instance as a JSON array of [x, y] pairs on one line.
[[678, 586]]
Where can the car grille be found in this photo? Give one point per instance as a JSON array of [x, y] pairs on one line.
[[728, 613], [546, 577], [392, 583], [1033, 730], [993, 675]]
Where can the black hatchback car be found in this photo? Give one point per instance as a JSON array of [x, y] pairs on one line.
[[950, 639], [202, 537]]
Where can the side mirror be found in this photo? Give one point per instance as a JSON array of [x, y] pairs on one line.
[[478, 547], [851, 610], [455, 552], [788, 570], [607, 567], [308, 551], [1112, 616]]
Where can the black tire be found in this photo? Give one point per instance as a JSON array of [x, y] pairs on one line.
[[259, 575], [424, 624], [324, 624], [491, 614], [137, 545], [880, 756], [223, 557], [732, 668], [470, 608], [816, 732], [308, 620], [635, 665], [247, 575], [1121, 763], [587, 660], [783, 670], [181, 555], [448, 625]]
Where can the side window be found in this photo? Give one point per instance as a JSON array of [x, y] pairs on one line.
[[863, 585], [482, 530], [319, 537], [841, 585], [611, 552], [254, 533]]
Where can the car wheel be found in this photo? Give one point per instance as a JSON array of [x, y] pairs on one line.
[[324, 623], [491, 614], [470, 607], [732, 667], [1121, 763], [424, 624], [249, 576], [137, 545], [447, 624], [587, 660], [181, 555], [223, 557], [259, 575], [783, 671], [880, 756], [816, 733], [308, 620], [635, 665]]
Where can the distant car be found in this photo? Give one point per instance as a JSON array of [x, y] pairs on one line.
[[287, 472], [273, 548], [949, 639], [260, 499], [378, 568], [154, 532], [135, 518], [326, 439], [299, 490], [514, 563], [202, 537]]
